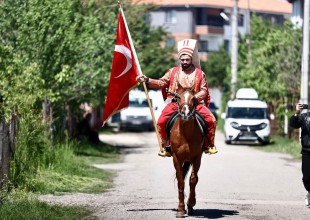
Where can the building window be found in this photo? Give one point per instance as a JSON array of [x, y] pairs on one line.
[[171, 16], [201, 18], [226, 45], [204, 46], [275, 19], [214, 18], [240, 20], [170, 42]]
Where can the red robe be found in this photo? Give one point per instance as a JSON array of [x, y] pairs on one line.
[[177, 81]]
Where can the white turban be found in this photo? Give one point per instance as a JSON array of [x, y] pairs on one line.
[[189, 47]]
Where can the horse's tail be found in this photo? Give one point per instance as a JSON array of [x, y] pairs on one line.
[[185, 168]]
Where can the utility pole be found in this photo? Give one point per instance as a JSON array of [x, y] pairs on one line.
[[234, 49], [305, 55], [249, 34]]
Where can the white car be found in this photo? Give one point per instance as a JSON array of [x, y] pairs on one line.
[[247, 119], [137, 116]]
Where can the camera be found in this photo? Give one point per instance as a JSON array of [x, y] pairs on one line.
[[305, 106]]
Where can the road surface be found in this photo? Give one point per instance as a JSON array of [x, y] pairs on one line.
[[240, 182]]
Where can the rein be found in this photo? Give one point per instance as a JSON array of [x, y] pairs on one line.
[[192, 111], [181, 105]]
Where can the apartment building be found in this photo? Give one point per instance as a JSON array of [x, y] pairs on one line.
[[208, 21]]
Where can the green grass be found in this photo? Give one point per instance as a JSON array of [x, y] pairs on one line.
[[97, 153], [283, 145], [68, 169], [30, 208], [220, 124], [73, 171], [277, 144], [59, 183]]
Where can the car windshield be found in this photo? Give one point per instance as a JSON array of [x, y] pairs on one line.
[[251, 113], [140, 103]]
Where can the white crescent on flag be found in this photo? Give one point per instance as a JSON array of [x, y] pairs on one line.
[[127, 53]]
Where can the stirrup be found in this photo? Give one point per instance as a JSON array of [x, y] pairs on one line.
[[211, 150], [164, 153]]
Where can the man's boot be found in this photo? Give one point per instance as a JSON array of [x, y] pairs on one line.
[[166, 152], [210, 150]]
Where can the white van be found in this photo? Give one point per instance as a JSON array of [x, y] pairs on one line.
[[247, 119], [137, 116]]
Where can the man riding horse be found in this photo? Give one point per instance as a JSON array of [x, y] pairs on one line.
[[186, 76]]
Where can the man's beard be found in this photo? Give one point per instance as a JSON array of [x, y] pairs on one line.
[[185, 66]]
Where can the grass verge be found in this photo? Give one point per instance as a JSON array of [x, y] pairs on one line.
[[283, 145], [71, 171], [277, 144], [28, 207]]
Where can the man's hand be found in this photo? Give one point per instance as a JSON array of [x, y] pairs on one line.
[[142, 78], [298, 108]]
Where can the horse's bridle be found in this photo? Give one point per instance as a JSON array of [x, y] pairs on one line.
[[191, 112], [180, 107]]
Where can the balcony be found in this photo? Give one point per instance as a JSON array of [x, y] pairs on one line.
[[205, 30]]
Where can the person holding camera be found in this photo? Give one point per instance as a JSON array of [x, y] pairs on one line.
[[302, 121]]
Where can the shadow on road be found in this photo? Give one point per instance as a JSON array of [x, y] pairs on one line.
[[198, 213], [213, 213], [147, 210]]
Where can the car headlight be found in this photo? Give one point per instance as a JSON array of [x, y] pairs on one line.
[[262, 125], [234, 125]]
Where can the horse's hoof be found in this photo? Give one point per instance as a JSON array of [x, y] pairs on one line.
[[190, 210], [180, 214]]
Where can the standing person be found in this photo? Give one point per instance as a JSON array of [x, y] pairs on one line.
[[303, 121], [187, 75]]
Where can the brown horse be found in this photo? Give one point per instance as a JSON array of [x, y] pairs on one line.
[[186, 140]]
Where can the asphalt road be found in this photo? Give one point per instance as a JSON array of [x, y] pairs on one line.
[[240, 182]]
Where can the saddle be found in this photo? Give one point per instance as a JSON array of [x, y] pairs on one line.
[[171, 121]]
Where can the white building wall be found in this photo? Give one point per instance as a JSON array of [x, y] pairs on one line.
[[214, 41], [157, 18], [242, 30], [297, 14], [183, 24]]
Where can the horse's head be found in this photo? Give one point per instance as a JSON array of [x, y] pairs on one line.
[[187, 104]]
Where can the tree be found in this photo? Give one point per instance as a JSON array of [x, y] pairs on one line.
[[276, 60], [62, 51], [70, 44], [275, 68], [218, 68]]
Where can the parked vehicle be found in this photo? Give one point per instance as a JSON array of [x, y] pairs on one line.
[[136, 117], [247, 119], [213, 108]]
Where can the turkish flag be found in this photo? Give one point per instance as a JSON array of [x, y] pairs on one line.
[[125, 69]]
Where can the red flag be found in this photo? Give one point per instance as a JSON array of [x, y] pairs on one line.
[[125, 69]]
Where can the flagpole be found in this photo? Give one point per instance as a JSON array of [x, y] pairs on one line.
[[144, 85]]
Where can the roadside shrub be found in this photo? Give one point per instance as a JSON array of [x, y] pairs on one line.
[[31, 144]]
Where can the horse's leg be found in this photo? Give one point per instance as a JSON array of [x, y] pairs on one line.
[[191, 202], [178, 168]]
